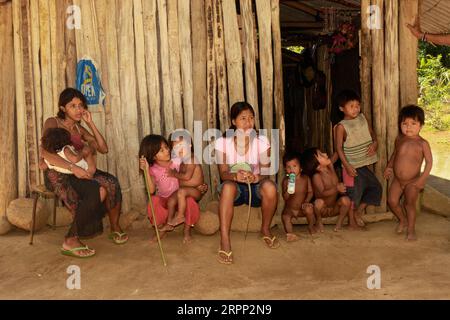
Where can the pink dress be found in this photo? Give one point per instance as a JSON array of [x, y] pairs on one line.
[[165, 187]]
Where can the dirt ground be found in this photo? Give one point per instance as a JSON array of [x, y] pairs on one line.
[[329, 266]]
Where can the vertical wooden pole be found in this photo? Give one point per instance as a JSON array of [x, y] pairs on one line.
[[143, 104], [211, 84], [8, 169], [251, 89], [174, 58], [263, 11], [233, 52], [199, 53], [119, 126], [20, 100], [408, 53], [165, 68], [221, 72], [392, 73], [151, 64], [184, 25], [379, 101], [366, 62], [278, 86]]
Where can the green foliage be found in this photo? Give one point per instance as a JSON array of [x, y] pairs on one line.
[[434, 82]]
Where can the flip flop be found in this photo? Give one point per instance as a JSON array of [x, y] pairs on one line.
[[113, 236], [71, 252], [227, 260], [273, 242]]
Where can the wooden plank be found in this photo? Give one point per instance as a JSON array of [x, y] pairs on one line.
[[233, 52], [48, 110], [264, 14], [87, 45], [379, 103], [128, 112], [143, 104], [175, 63], [20, 100], [198, 26], [103, 14], [408, 51], [392, 73], [35, 49], [184, 24], [169, 124], [278, 82], [221, 68], [8, 169], [31, 130], [251, 89], [366, 62], [118, 135], [70, 51], [151, 63], [211, 86]]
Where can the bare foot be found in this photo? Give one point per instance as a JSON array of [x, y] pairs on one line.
[[312, 230], [401, 227], [167, 228], [187, 239], [176, 221], [359, 221], [291, 237], [162, 234], [355, 227], [411, 236], [338, 227], [319, 228]]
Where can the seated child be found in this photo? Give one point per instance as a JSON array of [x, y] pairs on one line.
[[326, 187], [298, 203], [404, 166], [356, 145], [190, 176], [154, 156], [57, 141]]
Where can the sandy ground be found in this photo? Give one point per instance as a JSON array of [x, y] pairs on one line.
[[330, 266]]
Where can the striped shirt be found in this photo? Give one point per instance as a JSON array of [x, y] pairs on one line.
[[357, 142]]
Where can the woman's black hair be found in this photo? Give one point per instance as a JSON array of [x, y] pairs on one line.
[[66, 96], [309, 161], [237, 108], [54, 139], [413, 112], [150, 147]]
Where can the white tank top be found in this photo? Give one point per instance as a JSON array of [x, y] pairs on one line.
[[82, 163]]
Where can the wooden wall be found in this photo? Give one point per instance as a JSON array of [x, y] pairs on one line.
[[163, 64]]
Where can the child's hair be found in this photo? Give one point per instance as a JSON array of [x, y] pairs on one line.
[[180, 133], [237, 108], [413, 112], [150, 147], [288, 156], [309, 161], [54, 139], [66, 96], [343, 98]]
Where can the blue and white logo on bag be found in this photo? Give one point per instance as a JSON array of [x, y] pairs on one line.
[[88, 82]]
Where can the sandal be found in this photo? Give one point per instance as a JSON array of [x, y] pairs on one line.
[[72, 252], [227, 260], [117, 237], [271, 242]]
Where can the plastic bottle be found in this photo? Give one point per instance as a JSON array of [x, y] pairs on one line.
[[291, 183]]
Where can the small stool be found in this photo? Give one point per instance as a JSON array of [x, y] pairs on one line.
[[42, 191]]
